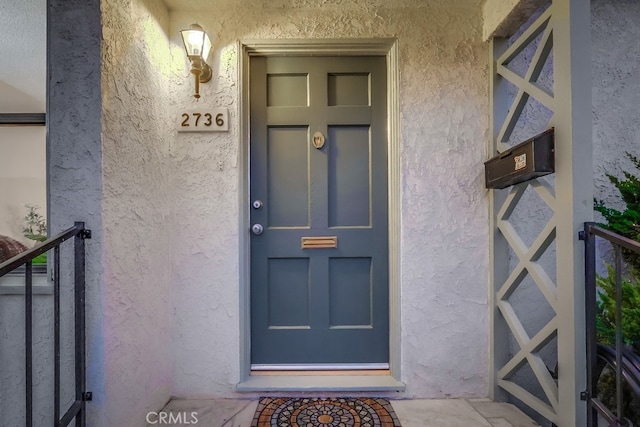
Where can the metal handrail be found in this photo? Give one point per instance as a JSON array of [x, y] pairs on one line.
[[24, 257], [630, 371], [625, 363], [614, 238], [77, 409]]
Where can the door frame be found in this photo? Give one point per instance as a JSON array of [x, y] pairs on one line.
[[321, 47]]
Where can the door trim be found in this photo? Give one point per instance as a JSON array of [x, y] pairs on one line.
[[319, 47]]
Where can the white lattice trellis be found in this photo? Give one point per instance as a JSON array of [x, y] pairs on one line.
[[562, 31], [540, 32]]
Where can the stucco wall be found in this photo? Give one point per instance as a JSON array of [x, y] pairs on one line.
[[74, 161], [616, 92], [136, 137], [150, 172], [503, 17], [443, 106], [23, 181]]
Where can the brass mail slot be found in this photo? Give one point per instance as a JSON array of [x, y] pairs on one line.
[[320, 242]]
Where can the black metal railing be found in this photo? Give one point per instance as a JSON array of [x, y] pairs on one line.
[[606, 359], [77, 409]]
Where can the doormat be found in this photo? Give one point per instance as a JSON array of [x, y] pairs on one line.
[[324, 412]]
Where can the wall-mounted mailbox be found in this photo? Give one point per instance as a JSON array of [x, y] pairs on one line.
[[528, 160]]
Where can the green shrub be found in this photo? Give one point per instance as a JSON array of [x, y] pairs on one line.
[[627, 222], [606, 316]]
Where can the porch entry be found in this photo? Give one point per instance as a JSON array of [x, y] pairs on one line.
[[319, 215]]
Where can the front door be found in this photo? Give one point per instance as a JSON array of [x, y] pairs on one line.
[[319, 244]]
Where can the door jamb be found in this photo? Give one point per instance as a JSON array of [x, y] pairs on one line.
[[318, 47]]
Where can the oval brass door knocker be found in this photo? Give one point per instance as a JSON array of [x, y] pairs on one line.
[[318, 140]]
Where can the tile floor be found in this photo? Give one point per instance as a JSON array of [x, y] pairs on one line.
[[412, 413]]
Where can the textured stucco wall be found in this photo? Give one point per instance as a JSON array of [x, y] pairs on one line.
[[616, 92], [503, 17], [149, 172], [22, 180], [74, 159], [109, 138], [136, 136], [443, 105]]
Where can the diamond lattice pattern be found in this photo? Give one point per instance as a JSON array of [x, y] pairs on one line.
[[532, 81]]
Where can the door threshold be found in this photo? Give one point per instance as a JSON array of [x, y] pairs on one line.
[[319, 367], [301, 381], [310, 373]]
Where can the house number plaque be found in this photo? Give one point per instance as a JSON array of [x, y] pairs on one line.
[[203, 120]]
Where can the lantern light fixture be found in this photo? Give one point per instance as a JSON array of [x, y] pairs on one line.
[[198, 45]]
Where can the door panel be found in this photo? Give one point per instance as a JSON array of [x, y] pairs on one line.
[[288, 284], [319, 306], [349, 176], [287, 90], [288, 177], [348, 89], [350, 297]]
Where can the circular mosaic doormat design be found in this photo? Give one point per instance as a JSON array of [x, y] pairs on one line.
[[321, 412]]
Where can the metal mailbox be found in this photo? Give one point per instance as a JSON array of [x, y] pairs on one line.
[[530, 159]]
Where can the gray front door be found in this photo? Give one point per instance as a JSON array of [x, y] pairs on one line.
[[319, 268]]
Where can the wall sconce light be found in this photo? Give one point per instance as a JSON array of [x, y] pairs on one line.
[[197, 44]]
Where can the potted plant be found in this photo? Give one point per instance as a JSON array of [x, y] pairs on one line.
[[35, 229]]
